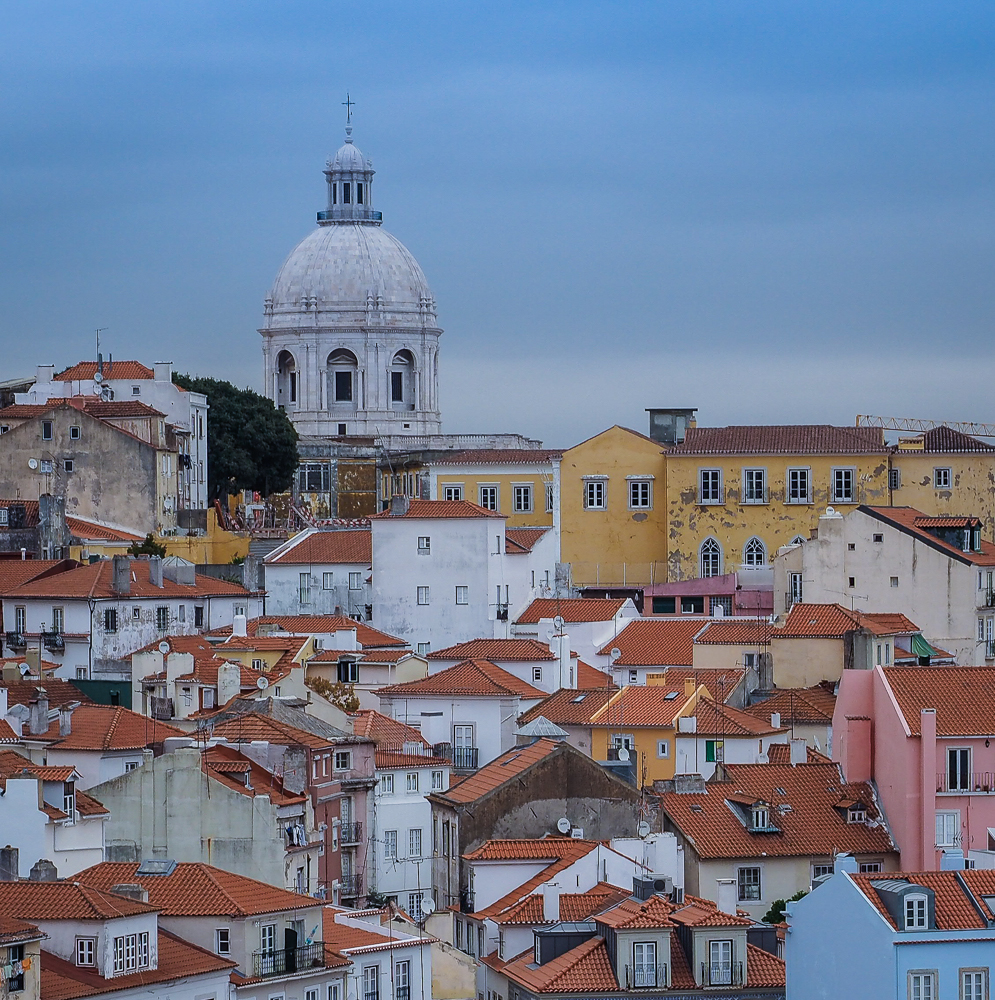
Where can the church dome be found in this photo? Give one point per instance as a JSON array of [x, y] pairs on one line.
[[350, 275], [349, 158]]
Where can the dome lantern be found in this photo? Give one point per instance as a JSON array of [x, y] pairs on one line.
[[349, 176]]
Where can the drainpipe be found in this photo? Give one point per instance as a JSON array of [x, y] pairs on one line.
[[927, 792]]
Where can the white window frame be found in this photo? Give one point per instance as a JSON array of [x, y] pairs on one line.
[[550, 498], [488, 496], [641, 493], [710, 541], [742, 884], [342, 760], [752, 545], [327, 581], [415, 845], [411, 781], [712, 493], [793, 492], [424, 545], [462, 594], [595, 493], [663, 749], [423, 596], [452, 491], [720, 962], [963, 774], [942, 478], [972, 984], [754, 494], [948, 828], [305, 588], [387, 784], [356, 580], [922, 984], [86, 952], [438, 781], [522, 498], [390, 843], [838, 476]]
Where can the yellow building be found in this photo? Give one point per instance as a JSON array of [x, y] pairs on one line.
[[737, 494], [523, 484], [613, 510]]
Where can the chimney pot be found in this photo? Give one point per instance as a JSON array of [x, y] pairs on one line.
[[43, 871], [9, 864], [725, 895], [775, 720], [38, 722], [799, 752], [551, 902], [399, 506], [132, 890]]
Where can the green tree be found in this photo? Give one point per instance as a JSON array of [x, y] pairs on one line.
[[251, 444], [340, 694], [775, 914], [150, 547]]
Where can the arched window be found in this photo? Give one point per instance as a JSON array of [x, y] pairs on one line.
[[402, 381], [755, 553], [709, 558], [342, 378], [286, 380]]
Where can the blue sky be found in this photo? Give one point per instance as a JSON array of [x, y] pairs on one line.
[[771, 211]]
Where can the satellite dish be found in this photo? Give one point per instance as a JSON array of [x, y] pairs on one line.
[[558, 623], [563, 824], [643, 829], [830, 511], [164, 647], [98, 378], [623, 754], [262, 683], [616, 653], [32, 463], [428, 906]]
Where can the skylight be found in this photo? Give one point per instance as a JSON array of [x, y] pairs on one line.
[[670, 696], [156, 867]]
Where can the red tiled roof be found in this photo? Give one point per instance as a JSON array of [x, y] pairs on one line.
[[493, 775], [177, 960], [495, 650], [573, 906], [948, 522], [572, 609], [715, 719], [378, 655], [348, 939], [954, 907], [249, 726], [569, 708], [812, 704], [96, 408], [58, 691], [588, 676], [642, 705], [366, 635], [815, 824], [540, 849], [85, 370], [945, 439], [499, 456], [328, 547], [15, 763], [964, 698], [584, 969], [522, 539], [905, 518], [798, 439], [632, 914], [388, 760], [87, 805], [699, 912], [198, 890], [474, 678], [92, 531], [7, 735], [13, 930], [736, 631], [15, 573], [385, 731], [439, 508], [780, 753], [231, 768], [76, 900], [107, 727], [30, 515], [763, 968], [656, 642], [833, 621]]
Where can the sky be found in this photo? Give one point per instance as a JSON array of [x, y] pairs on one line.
[[774, 212]]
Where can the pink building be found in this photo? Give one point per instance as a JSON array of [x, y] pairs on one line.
[[925, 736]]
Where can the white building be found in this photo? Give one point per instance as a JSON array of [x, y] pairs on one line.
[[591, 622], [186, 412], [448, 574], [936, 570], [321, 572]]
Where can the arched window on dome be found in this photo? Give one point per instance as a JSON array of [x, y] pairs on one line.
[[755, 553], [343, 379], [709, 558], [286, 381], [402, 381]]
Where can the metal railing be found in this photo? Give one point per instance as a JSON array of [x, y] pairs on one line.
[[976, 781], [161, 708], [351, 833], [466, 901], [645, 977], [402, 993], [53, 640], [756, 496], [351, 886], [465, 758], [990, 649], [987, 599], [16, 640], [279, 963], [721, 973]]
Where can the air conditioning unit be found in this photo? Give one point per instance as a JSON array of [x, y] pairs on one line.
[[677, 896]]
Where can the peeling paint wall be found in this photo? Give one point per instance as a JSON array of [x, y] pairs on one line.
[[971, 491]]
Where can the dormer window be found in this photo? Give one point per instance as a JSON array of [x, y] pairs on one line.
[[916, 912], [760, 817], [856, 814]]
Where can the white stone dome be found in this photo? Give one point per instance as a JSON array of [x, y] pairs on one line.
[[349, 158], [350, 275]]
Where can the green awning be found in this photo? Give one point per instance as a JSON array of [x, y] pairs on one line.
[[922, 648]]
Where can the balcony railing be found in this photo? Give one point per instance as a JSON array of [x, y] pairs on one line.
[[402, 993], [15, 640], [709, 498], [756, 496], [645, 977], [987, 599], [466, 901], [976, 781], [364, 216], [721, 973], [53, 641], [287, 960], [351, 833], [465, 758], [990, 649], [162, 708], [350, 886]]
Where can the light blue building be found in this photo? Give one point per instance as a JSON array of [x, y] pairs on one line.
[[902, 935]]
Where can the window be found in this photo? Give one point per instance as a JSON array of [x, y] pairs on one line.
[[136, 390], [343, 760], [794, 588], [411, 780], [843, 486], [715, 751], [267, 939], [915, 911], [748, 884], [371, 973], [488, 497], [973, 984], [333, 991], [662, 748], [709, 486], [851, 581], [86, 951], [346, 193], [422, 648], [595, 494], [20, 619], [720, 963], [222, 941], [438, 781], [922, 986], [755, 553], [947, 829], [46, 430], [820, 871], [664, 605], [347, 671], [15, 955], [423, 595], [941, 479], [327, 581], [754, 486], [452, 492], [640, 494], [4, 428], [397, 387], [131, 951], [67, 465], [311, 994], [536, 674], [894, 581], [521, 498], [799, 486], [198, 616], [709, 558], [356, 580], [414, 843], [162, 618], [643, 964], [110, 620], [870, 867], [313, 477], [182, 612], [958, 770], [129, 765], [387, 784], [343, 387], [305, 588], [549, 498], [894, 479], [58, 619], [46, 466], [877, 537], [390, 843], [424, 544]]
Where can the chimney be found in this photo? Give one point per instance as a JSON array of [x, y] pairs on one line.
[[132, 890], [65, 720], [345, 640], [799, 752], [121, 575], [845, 863], [559, 646], [775, 720], [155, 571], [43, 871], [11, 674], [952, 861], [45, 373], [163, 371], [551, 902], [39, 713], [689, 687], [229, 682], [3, 700], [238, 627], [399, 506], [9, 861], [725, 895]]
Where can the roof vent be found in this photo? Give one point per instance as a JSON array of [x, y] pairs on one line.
[[132, 890]]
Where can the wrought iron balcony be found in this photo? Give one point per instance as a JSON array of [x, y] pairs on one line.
[[987, 599], [645, 977], [288, 960], [975, 781], [465, 758], [53, 641], [721, 973], [990, 649], [161, 708], [15, 640], [351, 833], [351, 886]]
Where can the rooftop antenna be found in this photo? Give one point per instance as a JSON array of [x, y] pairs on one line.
[[99, 331]]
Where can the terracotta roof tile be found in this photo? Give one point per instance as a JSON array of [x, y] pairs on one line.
[[964, 698], [833, 621], [388, 760], [231, 768], [814, 825], [248, 726], [539, 849], [573, 906], [738, 631], [798, 439], [366, 635], [385, 731], [87, 805], [380, 655], [499, 456], [76, 900], [328, 547], [13, 930], [15, 763], [107, 727], [954, 908], [348, 939], [479, 678], [59, 692], [85, 370], [86, 530], [500, 770], [763, 968], [945, 439], [523, 539], [656, 642], [567, 707], [198, 890], [799, 705], [572, 609], [780, 753], [7, 735], [15, 573], [30, 516], [589, 677], [439, 508], [715, 719], [584, 969], [642, 705], [905, 518], [639, 913], [495, 650]]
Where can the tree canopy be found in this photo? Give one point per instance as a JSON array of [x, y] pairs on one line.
[[251, 445]]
